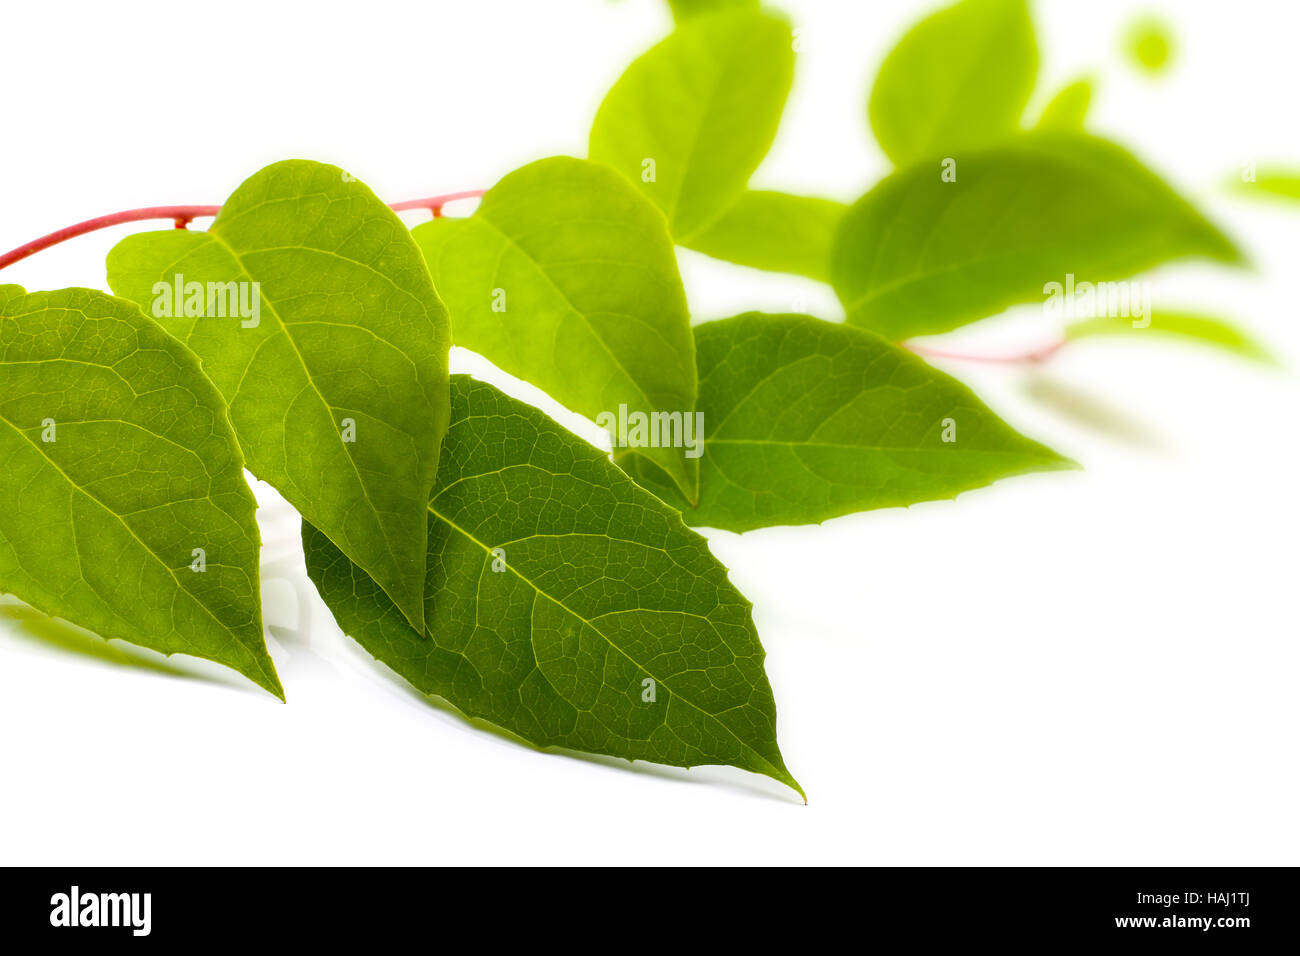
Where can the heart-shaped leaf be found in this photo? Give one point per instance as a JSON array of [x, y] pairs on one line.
[[566, 278], [691, 119], [334, 365], [565, 604], [958, 80], [125, 508], [924, 253], [806, 420]]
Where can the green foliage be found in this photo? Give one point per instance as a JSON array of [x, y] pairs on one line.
[[1069, 108], [523, 576], [689, 121], [343, 288], [685, 9], [959, 80], [807, 420], [566, 277], [1202, 329], [919, 255], [1283, 184], [565, 604], [1149, 44], [775, 231], [125, 508]]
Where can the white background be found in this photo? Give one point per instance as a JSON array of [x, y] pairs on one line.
[[1081, 668]]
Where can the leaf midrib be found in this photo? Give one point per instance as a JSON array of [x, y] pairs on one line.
[[149, 551], [284, 328], [777, 772]]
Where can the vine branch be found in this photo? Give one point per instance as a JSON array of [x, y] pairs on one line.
[[1041, 354], [184, 215]]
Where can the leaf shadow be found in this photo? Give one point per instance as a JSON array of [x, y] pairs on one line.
[[759, 787], [1089, 411], [62, 637]]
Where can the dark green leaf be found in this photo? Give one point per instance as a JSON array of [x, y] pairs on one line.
[[559, 596]]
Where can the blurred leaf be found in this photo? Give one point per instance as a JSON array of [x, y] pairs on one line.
[[918, 255], [1200, 328], [1068, 108], [685, 9], [691, 119], [959, 79], [805, 420], [567, 278], [1149, 44], [1273, 183], [775, 231]]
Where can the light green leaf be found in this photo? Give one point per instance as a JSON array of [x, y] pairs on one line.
[[565, 604], [350, 331], [775, 231], [1069, 108], [690, 120], [1272, 183], [805, 420], [567, 278], [958, 80], [685, 9], [125, 508], [1149, 43], [1207, 330], [10, 291], [919, 255]]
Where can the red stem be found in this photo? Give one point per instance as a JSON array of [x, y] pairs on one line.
[[1041, 354], [183, 216]]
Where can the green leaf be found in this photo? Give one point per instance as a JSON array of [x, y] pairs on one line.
[[1069, 108], [958, 80], [1207, 330], [1149, 44], [806, 420], [690, 120], [350, 331], [685, 9], [559, 594], [117, 462], [775, 231], [918, 255], [1281, 183], [567, 278]]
